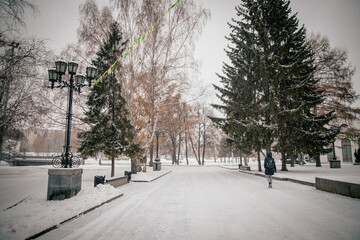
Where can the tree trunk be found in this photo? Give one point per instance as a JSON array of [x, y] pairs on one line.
[[173, 146], [204, 138], [1, 143], [318, 160], [245, 160], [292, 160], [178, 159], [283, 162], [134, 165], [199, 143], [192, 146], [173, 143], [259, 162], [204, 146], [151, 153], [186, 149], [186, 143], [112, 166], [174, 154]]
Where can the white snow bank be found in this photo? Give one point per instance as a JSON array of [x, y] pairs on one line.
[[4, 164], [35, 214]]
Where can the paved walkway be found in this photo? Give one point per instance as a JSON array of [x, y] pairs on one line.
[[216, 203]]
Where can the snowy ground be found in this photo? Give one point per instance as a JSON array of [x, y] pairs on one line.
[[216, 203], [347, 173], [190, 202], [23, 191]]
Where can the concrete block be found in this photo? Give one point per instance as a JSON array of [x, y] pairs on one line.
[[63, 183], [324, 184], [117, 182], [355, 190], [335, 164], [156, 166], [342, 188], [339, 187]]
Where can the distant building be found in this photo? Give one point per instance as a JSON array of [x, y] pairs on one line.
[[346, 144]]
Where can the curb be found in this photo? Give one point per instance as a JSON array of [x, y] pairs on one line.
[[232, 168], [338, 187], [151, 180], [76, 216], [282, 179]]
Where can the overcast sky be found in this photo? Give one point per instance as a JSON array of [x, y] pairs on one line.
[[337, 19]]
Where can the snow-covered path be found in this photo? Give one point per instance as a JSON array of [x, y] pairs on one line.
[[215, 203]]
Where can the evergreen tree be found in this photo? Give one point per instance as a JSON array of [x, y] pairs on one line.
[[110, 131], [269, 89], [242, 93], [299, 128]]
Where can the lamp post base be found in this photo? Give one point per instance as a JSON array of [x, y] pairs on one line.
[[335, 164], [63, 183], [156, 166]]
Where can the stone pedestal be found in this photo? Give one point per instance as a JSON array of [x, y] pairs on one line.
[[63, 183], [156, 166], [335, 164]]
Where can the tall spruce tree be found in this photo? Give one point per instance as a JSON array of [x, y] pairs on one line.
[[242, 93], [110, 131], [269, 90], [299, 128]]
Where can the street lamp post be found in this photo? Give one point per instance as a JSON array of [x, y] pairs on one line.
[[334, 163], [333, 150], [55, 76], [157, 133], [157, 163]]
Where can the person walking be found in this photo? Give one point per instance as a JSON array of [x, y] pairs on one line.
[[270, 168], [357, 157]]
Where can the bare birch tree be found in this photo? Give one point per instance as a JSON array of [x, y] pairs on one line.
[[164, 57], [12, 15], [21, 86], [159, 63], [336, 80]]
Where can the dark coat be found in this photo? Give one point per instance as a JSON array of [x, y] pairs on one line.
[[269, 164]]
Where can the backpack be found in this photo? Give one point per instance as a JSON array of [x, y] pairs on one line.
[[270, 163]]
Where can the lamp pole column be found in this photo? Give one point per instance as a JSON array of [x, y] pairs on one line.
[[68, 124], [157, 146], [157, 163]]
